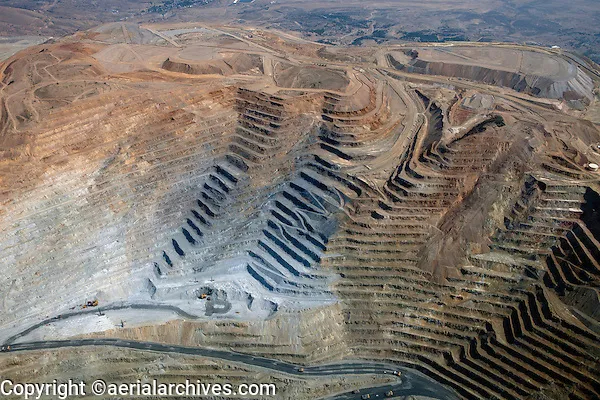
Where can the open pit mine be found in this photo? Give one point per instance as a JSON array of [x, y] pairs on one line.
[[212, 203]]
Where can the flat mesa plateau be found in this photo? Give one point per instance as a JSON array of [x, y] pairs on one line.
[[193, 201]]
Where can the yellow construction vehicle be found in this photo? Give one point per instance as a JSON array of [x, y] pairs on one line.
[[90, 304]]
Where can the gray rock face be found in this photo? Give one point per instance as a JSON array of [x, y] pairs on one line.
[[264, 245]]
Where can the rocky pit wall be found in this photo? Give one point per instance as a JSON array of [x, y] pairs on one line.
[[307, 224]]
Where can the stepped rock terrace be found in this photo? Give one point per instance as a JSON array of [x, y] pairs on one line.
[[212, 187]]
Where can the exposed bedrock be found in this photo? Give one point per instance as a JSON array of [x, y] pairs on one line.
[[573, 85], [309, 223], [259, 240], [446, 271]]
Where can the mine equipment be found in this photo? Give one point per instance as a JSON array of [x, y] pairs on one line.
[[93, 303]]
